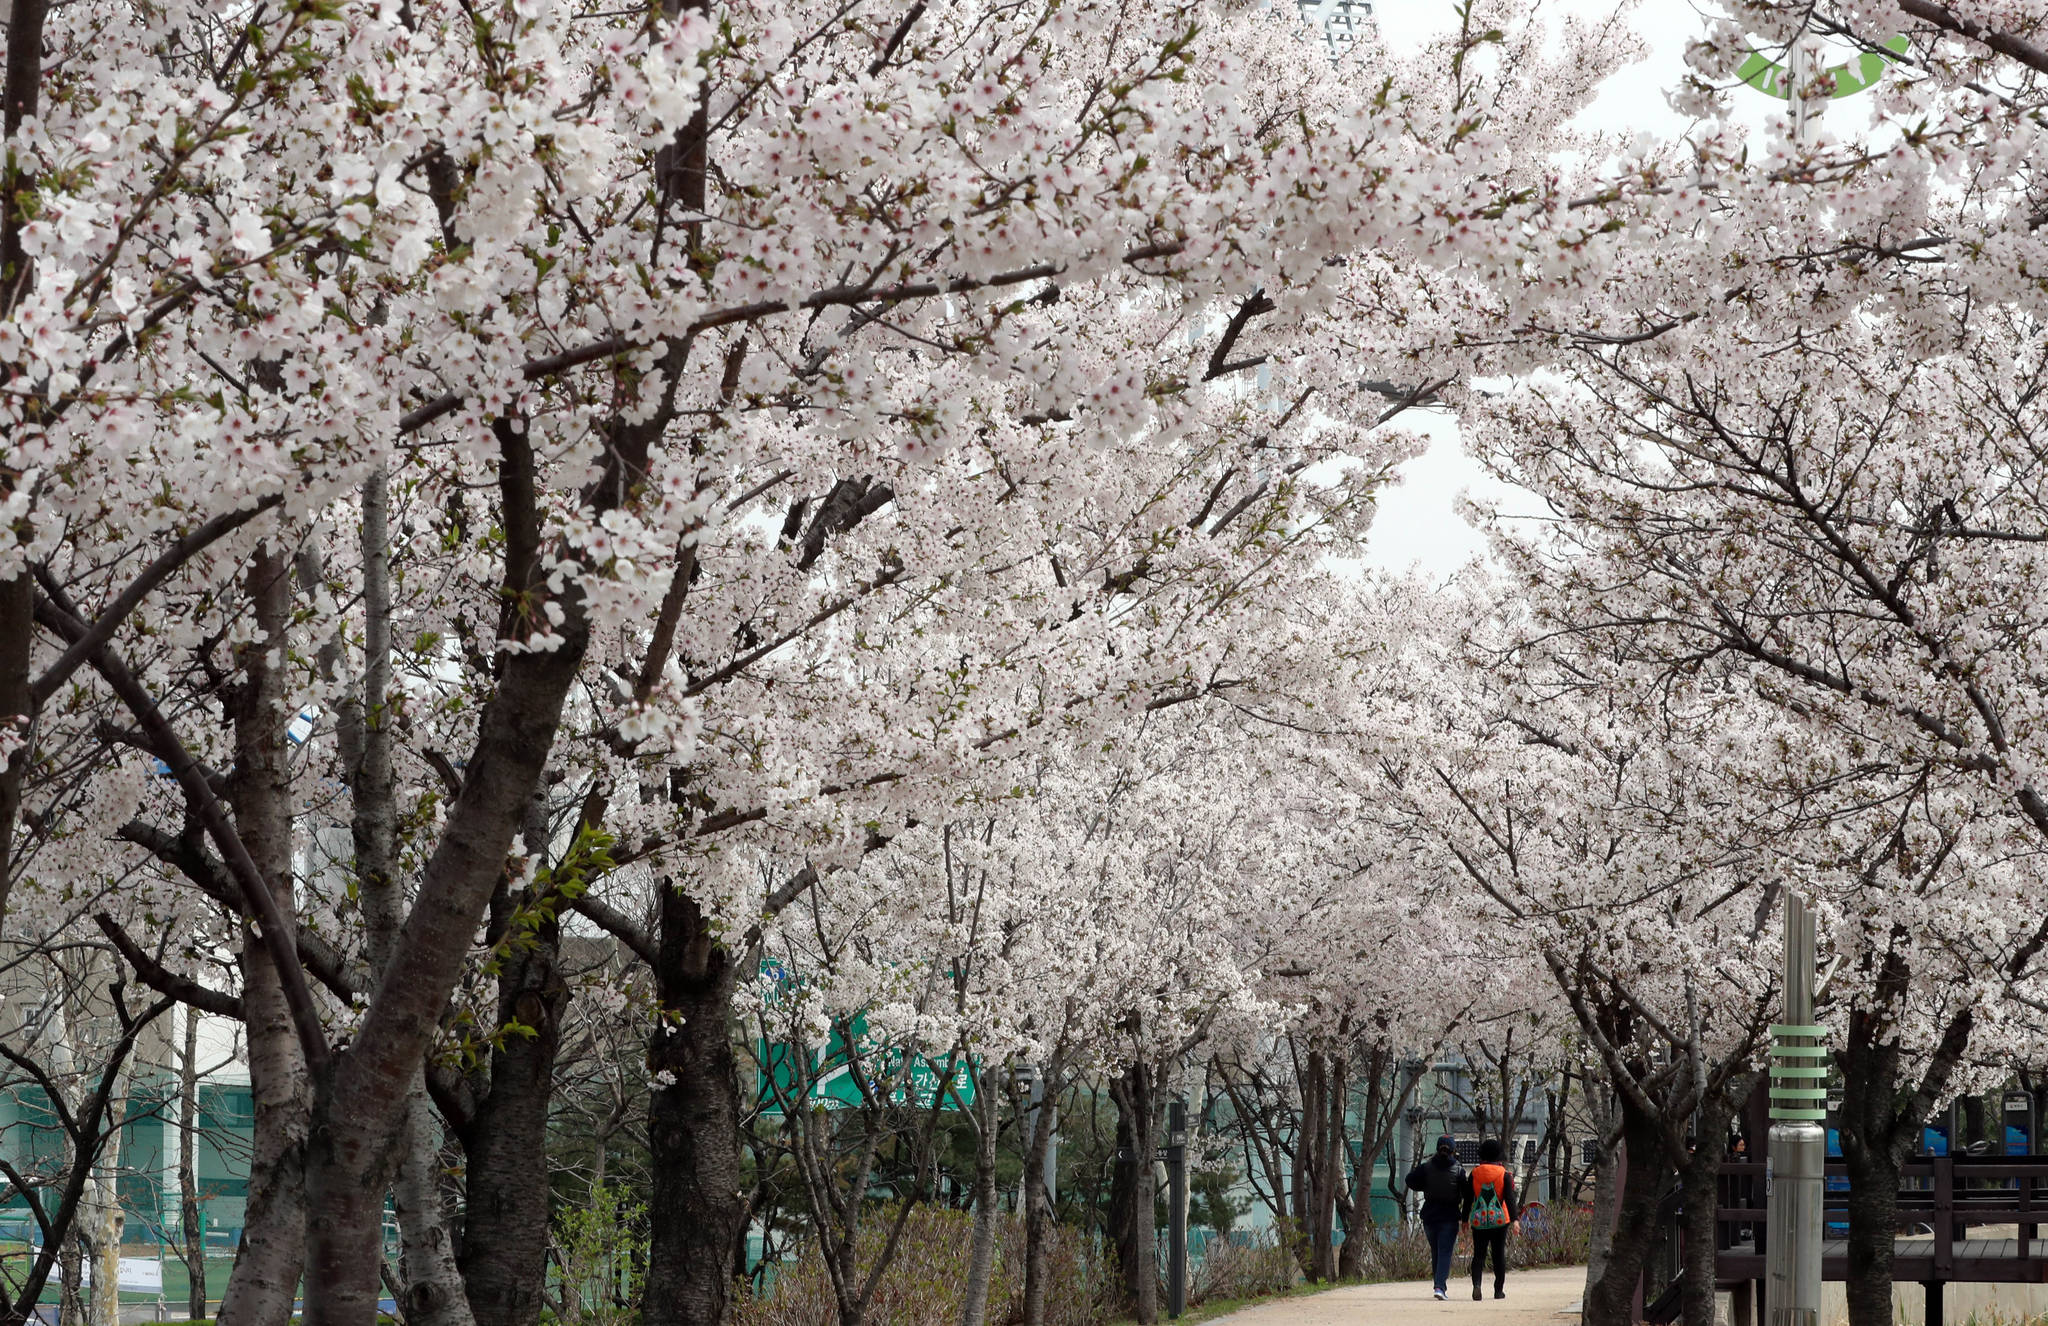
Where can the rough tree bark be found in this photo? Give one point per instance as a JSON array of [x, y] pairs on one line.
[[359, 1095], [696, 1201], [1606, 1182], [430, 1284], [1878, 1124], [1132, 1228], [1356, 1207], [1699, 1184], [1037, 1201], [22, 97], [1610, 1299], [109, 1222], [981, 1263], [1319, 1166], [505, 1230], [265, 1280], [1389, 1089], [430, 1289], [188, 1170], [17, 638], [1308, 1127], [1556, 1146], [71, 1280], [360, 1101]]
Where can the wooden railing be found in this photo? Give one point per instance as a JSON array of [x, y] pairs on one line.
[[1947, 1194]]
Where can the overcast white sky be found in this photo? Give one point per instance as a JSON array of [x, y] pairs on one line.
[[1416, 524]]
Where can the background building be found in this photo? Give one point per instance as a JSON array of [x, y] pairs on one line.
[[1343, 23]]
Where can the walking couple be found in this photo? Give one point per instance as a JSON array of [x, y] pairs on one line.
[[1485, 1199]]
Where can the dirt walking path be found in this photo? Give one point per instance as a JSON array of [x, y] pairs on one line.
[[1535, 1298]]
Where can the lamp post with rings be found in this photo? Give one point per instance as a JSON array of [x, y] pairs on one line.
[[1795, 1171]]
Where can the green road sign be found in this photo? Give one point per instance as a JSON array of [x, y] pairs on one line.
[[1771, 78]]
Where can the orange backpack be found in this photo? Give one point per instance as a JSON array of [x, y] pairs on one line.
[[1489, 1197]]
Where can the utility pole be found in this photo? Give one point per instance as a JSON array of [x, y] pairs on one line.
[[1176, 1207], [1794, 1177], [1048, 1113]]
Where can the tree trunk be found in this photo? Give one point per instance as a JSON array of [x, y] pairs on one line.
[[1879, 1120], [1358, 1219], [71, 1279], [349, 1155], [1873, 1223], [272, 1253], [1132, 1219], [1610, 1299], [1037, 1201], [189, 1225], [1556, 1145], [20, 99], [108, 1223], [1329, 1169], [265, 1279], [981, 1263], [1606, 1189], [429, 1281], [696, 1204], [1699, 1186], [17, 642], [363, 1092], [430, 1289], [97, 1152], [1308, 1145], [1871, 1154], [505, 1231]]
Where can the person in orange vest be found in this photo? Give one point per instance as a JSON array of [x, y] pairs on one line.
[[1491, 1207]]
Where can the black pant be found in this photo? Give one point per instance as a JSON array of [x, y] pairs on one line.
[[1497, 1239]]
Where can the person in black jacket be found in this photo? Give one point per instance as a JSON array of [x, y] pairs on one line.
[[1441, 1181], [1493, 1207]]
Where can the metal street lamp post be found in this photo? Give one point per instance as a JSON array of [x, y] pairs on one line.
[[1795, 1174], [1796, 1165]]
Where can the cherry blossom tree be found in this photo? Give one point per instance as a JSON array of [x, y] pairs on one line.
[[564, 313]]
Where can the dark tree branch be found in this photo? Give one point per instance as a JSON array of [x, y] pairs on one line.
[[903, 28], [1941, 16], [1219, 360], [179, 553], [256, 899], [164, 981], [867, 292], [620, 927], [850, 502]]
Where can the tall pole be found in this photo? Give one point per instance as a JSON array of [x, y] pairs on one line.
[[1176, 1207], [1799, 74], [1795, 1175], [1049, 1119]]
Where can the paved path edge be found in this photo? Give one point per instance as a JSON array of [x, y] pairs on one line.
[[1546, 1297]]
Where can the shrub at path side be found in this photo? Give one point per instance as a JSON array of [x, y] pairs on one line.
[[927, 1278], [1258, 1268]]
